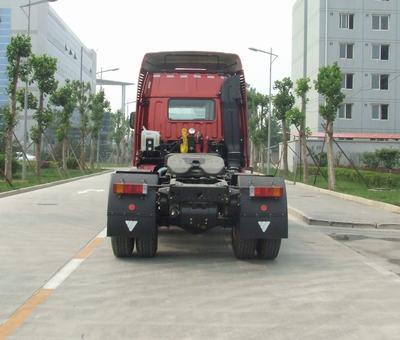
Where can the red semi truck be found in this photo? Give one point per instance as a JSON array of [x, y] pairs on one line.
[[191, 156]]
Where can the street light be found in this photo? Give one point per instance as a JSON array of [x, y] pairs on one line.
[[29, 5], [272, 58], [104, 71], [101, 87]]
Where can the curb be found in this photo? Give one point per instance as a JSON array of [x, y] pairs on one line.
[[385, 206], [326, 223], [50, 184]]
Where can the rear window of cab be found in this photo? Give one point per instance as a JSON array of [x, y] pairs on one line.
[[191, 109]]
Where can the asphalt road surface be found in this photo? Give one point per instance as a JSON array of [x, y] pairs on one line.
[[318, 288]]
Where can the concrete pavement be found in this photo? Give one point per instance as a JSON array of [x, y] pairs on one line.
[[317, 207], [195, 288]]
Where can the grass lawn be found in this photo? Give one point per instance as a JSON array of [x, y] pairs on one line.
[[47, 175], [391, 196]]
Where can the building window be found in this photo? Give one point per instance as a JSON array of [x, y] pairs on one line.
[[347, 81], [380, 22], [345, 111], [380, 52], [380, 111], [346, 51], [346, 20], [380, 81]]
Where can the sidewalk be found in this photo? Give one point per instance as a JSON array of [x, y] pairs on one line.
[[317, 207]]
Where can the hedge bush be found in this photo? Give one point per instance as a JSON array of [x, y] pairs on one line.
[[16, 166], [389, 158], [373, 179], [370, 160], [72, 163]]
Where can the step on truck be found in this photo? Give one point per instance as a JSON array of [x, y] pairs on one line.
[[191, 161]]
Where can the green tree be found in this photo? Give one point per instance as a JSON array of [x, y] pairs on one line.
[[43, 75], [328, 85], [65, 98], [283, 102], [98, 105], [82, 93], [119, 131], [17, 51], [298, 119]]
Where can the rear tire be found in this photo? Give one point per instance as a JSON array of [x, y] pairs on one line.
[[268, 249], [147, 247], [122, 246], [243, 249]]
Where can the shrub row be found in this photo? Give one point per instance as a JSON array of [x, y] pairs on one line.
[[16, 166], [389, 158], [373, 179]]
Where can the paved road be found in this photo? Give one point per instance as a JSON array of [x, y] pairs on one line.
[[194, 289]]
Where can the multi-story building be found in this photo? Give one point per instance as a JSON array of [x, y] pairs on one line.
[[51, 36], [363, 37]]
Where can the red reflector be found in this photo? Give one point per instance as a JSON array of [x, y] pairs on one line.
[[132, 207], [264, 207], [266, 192], [130, 188]]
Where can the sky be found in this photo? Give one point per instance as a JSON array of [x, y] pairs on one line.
[[122, 31]]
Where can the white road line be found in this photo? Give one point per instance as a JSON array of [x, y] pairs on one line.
[[102, 234], [89, 190], [63, 273]]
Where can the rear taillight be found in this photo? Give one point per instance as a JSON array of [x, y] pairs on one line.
[[274, 192], [130, 188]]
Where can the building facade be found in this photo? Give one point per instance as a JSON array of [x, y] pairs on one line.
[[363, 37], [51, 36]]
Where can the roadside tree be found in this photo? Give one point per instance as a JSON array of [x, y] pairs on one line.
[[298, 119], [98, 105], [120, 130], [43, 75], [329, 84], [65, 98], [283, 102], [18, 51], [82, 93]]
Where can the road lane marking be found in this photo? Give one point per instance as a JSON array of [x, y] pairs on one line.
[[63, 273], [23, 312], [85, 252], [16, 320], [89, 190]]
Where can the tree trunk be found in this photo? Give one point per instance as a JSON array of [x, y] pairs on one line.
[[303, 143], [82, 144], [64, 154], [37, 154], [285, 148], [8, 155], [10, 129], [303, 140], [331, 161], [118, 153], [92, 150]]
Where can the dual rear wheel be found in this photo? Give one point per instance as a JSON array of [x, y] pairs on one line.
[[123, 246], [266, 249]]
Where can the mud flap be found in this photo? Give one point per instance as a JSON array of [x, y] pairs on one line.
[[254, 222], [132, 215]]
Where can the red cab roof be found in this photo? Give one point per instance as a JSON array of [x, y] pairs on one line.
[[190, 60]]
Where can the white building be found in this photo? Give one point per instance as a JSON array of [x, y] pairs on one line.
[[51, 36], [363, 36]]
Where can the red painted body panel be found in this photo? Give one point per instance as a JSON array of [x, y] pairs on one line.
[[156, 87]]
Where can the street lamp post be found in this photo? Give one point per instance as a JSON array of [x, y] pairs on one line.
[[29, 5], [272, 58], [101, 87]]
